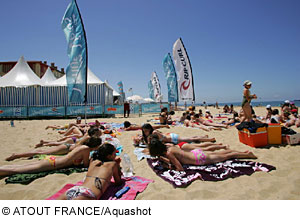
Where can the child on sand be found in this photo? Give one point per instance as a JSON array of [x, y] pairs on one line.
[[102, 168], [178, 157]]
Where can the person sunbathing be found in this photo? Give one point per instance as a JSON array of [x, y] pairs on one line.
[[103, 166], [78, 156], [177, 157], [289, 119], [69, 140], [66, 126], [208, 123], [133, 127], [147, 130], [60, 149]]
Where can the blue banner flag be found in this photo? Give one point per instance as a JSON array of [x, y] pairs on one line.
[[171, 76], [76, 72], [151, 90], [121, 90]]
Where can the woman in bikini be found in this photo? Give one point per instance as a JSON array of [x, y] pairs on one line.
[[177, 157], [147, 130], [80, 155], [60, 149], [133, 127], [247, 97], [103, 167]]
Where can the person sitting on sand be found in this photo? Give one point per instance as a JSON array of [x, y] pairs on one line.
[[208, 115], [79, 156], [59, 149], [178, 157], [103, 166], [269, 113], [226, 109], [294, 109], [289, 119], [285, 107], [275, 117], [172, 137], [183, 117], [231, 109], [200, 113], [297, 123], [133, 127], [163, 116]]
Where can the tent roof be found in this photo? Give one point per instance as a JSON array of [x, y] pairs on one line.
[[62, 81], [48, 77], [20, 75]]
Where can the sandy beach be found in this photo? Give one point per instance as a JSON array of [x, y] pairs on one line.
[[282, 183]]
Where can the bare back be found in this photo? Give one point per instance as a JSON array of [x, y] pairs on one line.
[[104, 172]]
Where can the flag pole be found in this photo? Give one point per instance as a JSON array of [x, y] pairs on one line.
[[86, 67]]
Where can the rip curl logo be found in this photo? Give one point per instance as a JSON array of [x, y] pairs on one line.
[[186, 83], [92, 108]]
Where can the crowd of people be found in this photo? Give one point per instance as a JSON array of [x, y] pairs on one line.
[[81, 144]]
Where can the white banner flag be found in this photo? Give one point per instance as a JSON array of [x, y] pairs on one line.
[[156, 87], [184, 72]]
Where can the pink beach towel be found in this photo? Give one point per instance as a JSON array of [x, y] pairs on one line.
[[137, 185]]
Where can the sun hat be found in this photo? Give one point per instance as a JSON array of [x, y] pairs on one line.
[[207, 111], [78, 118], [287, 101], [268, 106], [247, 83]]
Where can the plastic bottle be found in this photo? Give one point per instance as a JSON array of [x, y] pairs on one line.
[[12, 123], [127, 167]]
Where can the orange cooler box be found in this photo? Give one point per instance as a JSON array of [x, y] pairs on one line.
[[274, 134], [258, 139]]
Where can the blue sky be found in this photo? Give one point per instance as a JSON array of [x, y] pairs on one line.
[[228, 42]]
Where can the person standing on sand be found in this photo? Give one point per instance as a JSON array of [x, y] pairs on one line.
[[126, 109], [247, 97]]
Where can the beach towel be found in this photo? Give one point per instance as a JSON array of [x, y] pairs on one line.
[[139, 154], [26, 178], [214, 172], [137, 185]]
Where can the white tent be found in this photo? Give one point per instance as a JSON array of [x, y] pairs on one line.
[[20, 75], [135, 98], [48, 77], [62, 81]]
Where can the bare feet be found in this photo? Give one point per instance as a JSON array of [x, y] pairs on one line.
[[61, 132], [251, 155], [226, 146], [47, 127], [39, 144], [10, 158]]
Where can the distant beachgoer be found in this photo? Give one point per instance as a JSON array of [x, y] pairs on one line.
[[294, 109], [217, 105], [183, 117], [163, 116], [78, 156], [247, 97], [233, 121], [208, 115], [289, 119], [177, 157], [103, 166], [200, 113], [208, 122], [226, 109], [297, 123], [126, 109], [269, 113], [275, 117]]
